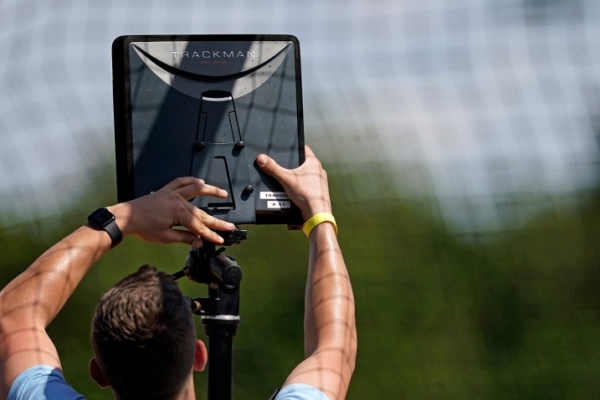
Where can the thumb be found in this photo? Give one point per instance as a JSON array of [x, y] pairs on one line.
[[268, 165]]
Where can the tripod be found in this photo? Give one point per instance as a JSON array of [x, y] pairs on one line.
[[219, 311]]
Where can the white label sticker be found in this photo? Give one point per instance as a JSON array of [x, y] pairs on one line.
[[278, 204], [274, 196]]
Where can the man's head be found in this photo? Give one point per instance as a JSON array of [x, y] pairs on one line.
[[144, 338]]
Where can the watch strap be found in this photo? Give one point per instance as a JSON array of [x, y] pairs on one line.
[[114, 232]]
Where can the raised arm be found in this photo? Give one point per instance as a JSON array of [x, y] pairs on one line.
[[329, 327], [31, 301]]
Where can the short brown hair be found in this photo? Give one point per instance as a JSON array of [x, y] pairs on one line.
[[143, 336]]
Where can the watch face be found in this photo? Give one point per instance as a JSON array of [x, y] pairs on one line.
[[100, 218]]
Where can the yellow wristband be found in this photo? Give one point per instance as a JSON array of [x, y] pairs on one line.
[[316, 220]]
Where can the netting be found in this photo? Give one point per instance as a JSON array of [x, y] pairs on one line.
[[481, 116], [484, 99]]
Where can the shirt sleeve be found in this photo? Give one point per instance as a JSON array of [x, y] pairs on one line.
[[42, 382], [300, 391]]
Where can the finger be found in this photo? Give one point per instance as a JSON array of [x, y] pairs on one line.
[[199, 188], [310, 159], [181, 182], [270, 166], [209, 220], [204, 225], [308, 152], [182, 236], [197, 227]]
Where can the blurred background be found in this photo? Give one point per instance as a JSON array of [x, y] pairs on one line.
[[461, 141]]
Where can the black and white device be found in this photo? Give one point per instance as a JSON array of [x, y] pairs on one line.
[[206, 106]]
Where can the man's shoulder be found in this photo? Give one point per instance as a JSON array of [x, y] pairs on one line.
[[300, 391], [42, 382]]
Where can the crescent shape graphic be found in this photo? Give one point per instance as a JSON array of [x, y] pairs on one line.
[[195, 84]]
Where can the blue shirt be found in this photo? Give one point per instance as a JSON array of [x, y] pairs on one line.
[[300, 391], [43, 382]]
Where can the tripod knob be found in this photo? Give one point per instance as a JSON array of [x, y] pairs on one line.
[[232, 276]]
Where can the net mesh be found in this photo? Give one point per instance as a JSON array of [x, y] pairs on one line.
[[481, 117]]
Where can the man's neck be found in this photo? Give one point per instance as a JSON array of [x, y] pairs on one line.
[[188, 392]]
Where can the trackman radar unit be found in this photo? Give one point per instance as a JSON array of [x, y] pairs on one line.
[[206, 106]]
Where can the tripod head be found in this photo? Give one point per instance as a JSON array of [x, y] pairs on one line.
[[204, 266]]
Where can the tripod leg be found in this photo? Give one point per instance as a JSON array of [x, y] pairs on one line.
[[220, 360]]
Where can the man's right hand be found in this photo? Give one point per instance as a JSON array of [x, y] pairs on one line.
[[329, 324], [306, 185]]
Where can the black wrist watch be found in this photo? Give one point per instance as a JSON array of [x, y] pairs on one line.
[[102, 219]]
